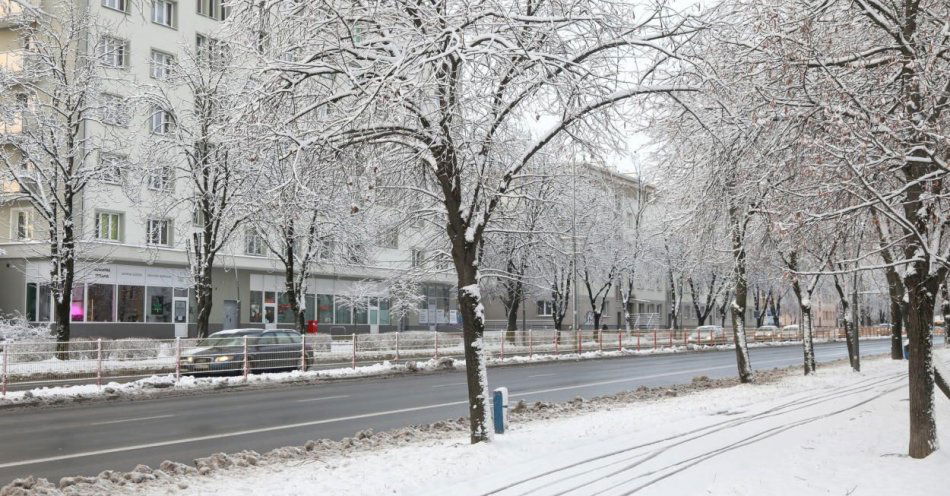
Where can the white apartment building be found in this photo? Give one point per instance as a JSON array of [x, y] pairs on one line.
[[133, 276], [649, 299]]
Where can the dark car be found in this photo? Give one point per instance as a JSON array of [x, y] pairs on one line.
[[267, 350]]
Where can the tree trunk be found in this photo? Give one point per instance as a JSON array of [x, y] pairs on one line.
[[513, 306], [473, 330], [923, 426], [63, 274], [897, 327], [203, 299], [945, 311], [739, 305], [808, 343]]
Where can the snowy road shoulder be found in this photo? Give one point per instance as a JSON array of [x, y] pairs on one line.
[[834, 433]]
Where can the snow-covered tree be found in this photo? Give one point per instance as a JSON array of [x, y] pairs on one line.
[[51, 99], [198, 157], [457, 85]]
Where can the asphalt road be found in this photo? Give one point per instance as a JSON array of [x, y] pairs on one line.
[[86, 439]]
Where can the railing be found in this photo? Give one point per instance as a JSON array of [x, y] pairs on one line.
[[34, 364]]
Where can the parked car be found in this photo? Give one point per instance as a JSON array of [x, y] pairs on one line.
[[790, 332], [765, 332], [707, 333], [267, 350]]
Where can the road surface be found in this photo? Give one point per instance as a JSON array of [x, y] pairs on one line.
[[87, 439]]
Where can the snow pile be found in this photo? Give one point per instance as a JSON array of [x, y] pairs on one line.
[[158, 383]]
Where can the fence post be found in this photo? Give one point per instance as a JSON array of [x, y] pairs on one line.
[[354, 351], [530, 345], [247, 363], [671, 338], [436, 338], [654, 339], [303, 352], [502, 347], [638, 341], [600, 340], [6, 357], [177, 359], [556, 335], [98, 362], [620, 341], [579, 346], [397, 345]]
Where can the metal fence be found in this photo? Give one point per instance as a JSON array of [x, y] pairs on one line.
[[33, 364]]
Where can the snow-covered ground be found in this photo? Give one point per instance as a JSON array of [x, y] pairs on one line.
[[837, 433]]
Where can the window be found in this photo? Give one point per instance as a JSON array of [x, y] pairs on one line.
[[159, 304], [389, 239], [344, 314], [213, 9], [325, 309], [160, 179], [285, 313], [112, 167], [160, 121], [131, 302], [108, 226], [157, 232], [384, 311], [213, 52], [256, 306], [418, 259], [161, 65], [114, 110], [310, 307], [77, 307], [113, 52], [120, 5], [22, 224], [359, 312], [163, 12], [253, 243], [327, 247], [100, 305], [197, 217], [545, 308]]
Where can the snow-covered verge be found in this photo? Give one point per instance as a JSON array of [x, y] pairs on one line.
[[17, 330], [158, 384], [837, 432]]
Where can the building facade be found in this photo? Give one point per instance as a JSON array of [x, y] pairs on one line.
[[132, 276]]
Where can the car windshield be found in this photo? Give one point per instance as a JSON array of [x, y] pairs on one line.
[[227, 340]]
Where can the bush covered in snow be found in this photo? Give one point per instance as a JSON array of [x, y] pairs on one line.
[[18, 330]]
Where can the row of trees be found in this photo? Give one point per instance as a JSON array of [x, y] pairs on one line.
[[820, 132]]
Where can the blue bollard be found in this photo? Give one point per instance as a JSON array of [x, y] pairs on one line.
[[500, 409]]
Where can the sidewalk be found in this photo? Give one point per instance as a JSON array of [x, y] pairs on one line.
[[834, 433]]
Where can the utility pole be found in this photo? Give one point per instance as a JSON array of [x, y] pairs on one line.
[[856, 359], [574, 238]]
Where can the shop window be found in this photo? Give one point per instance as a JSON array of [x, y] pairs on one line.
[[77, 307], [159, 300], [100, 305], [285, 312], [384, 311], [310, 312], [344, 314], [131, 302], [257, 307], [325, 309]]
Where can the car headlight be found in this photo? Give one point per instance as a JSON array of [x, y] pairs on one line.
[[223, 358]]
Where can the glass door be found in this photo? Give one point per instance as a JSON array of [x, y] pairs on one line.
[[180, 312], [373, 315]]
